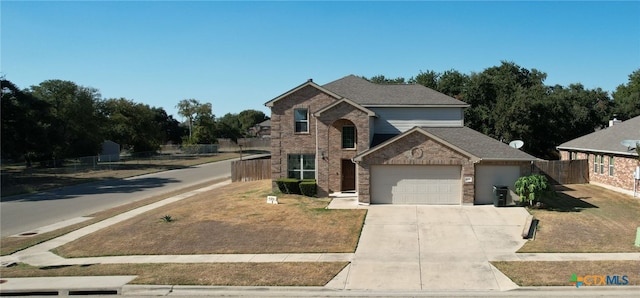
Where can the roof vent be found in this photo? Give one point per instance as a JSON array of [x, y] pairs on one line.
[[614, 122]]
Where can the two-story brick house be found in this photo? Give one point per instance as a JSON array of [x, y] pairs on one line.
[[399, 144]]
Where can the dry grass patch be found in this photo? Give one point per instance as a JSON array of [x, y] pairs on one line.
[[525, 273], [9, 245], [232, 219], [216, 274], [586, 218]]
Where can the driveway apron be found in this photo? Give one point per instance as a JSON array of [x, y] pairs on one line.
[[435, 247]]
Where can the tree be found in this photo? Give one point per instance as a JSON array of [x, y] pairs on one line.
[[200, 120], [188, 108], [428, 79], [205, 125], [172, 131], [380, 79], [229, 127], [75, 127], [25, 120], [249, 118], [626, 98], [580, 110], [509, 102], [135, 126], [117, 115], [452, 83]]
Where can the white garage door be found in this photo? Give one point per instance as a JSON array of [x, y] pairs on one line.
[[416, 184], [488, 176]]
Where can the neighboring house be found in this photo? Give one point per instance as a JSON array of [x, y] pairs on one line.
[[611, 164], [261, 130], [393, 144]]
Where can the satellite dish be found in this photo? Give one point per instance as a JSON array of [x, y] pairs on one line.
[[516, 144], [630, 144]]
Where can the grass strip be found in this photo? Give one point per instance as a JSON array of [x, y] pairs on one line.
[[548, 273], [213, 274]]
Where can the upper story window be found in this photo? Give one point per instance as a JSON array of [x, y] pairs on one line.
[[610, 165], [302, 120], [348, 137]]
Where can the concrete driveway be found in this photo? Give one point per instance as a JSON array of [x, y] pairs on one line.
[[434, 248]]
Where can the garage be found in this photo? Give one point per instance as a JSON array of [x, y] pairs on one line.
[[416, 184], [489, 175]]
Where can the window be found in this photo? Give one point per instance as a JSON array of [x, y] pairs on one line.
[[302, 120], [595, 163], [301, 166], [348, 137], [601, 164], [610, 165]]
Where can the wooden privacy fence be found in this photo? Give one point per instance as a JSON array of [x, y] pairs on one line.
[[563, 171], [250, 170]]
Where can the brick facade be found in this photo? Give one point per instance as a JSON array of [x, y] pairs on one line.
[[330, 124], [324, 139], [623, 168], [284, 139]]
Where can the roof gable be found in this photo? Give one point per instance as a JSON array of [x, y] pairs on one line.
[[464, 140], [299, 87], [366, 93], [607, 140], [347, 101], [399, 137]]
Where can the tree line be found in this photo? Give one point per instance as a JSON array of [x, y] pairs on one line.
[[59, 119], [509, 102]]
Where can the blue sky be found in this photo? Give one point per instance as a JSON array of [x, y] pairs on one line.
[[239, 55]]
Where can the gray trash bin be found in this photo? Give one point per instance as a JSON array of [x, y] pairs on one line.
[[500, 193]]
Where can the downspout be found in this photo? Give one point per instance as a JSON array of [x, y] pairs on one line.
[[317, 150], [329, 164]]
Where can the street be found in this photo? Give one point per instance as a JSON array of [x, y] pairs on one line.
[[24, 213]]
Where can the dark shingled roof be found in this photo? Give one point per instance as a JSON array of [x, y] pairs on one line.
[[608, 140], [478, 144], [466, 139], [366, 93], [380, 138]]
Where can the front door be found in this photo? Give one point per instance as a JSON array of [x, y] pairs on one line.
[[348, 175]]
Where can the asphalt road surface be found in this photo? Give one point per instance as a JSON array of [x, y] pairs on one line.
[[25, 213]]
